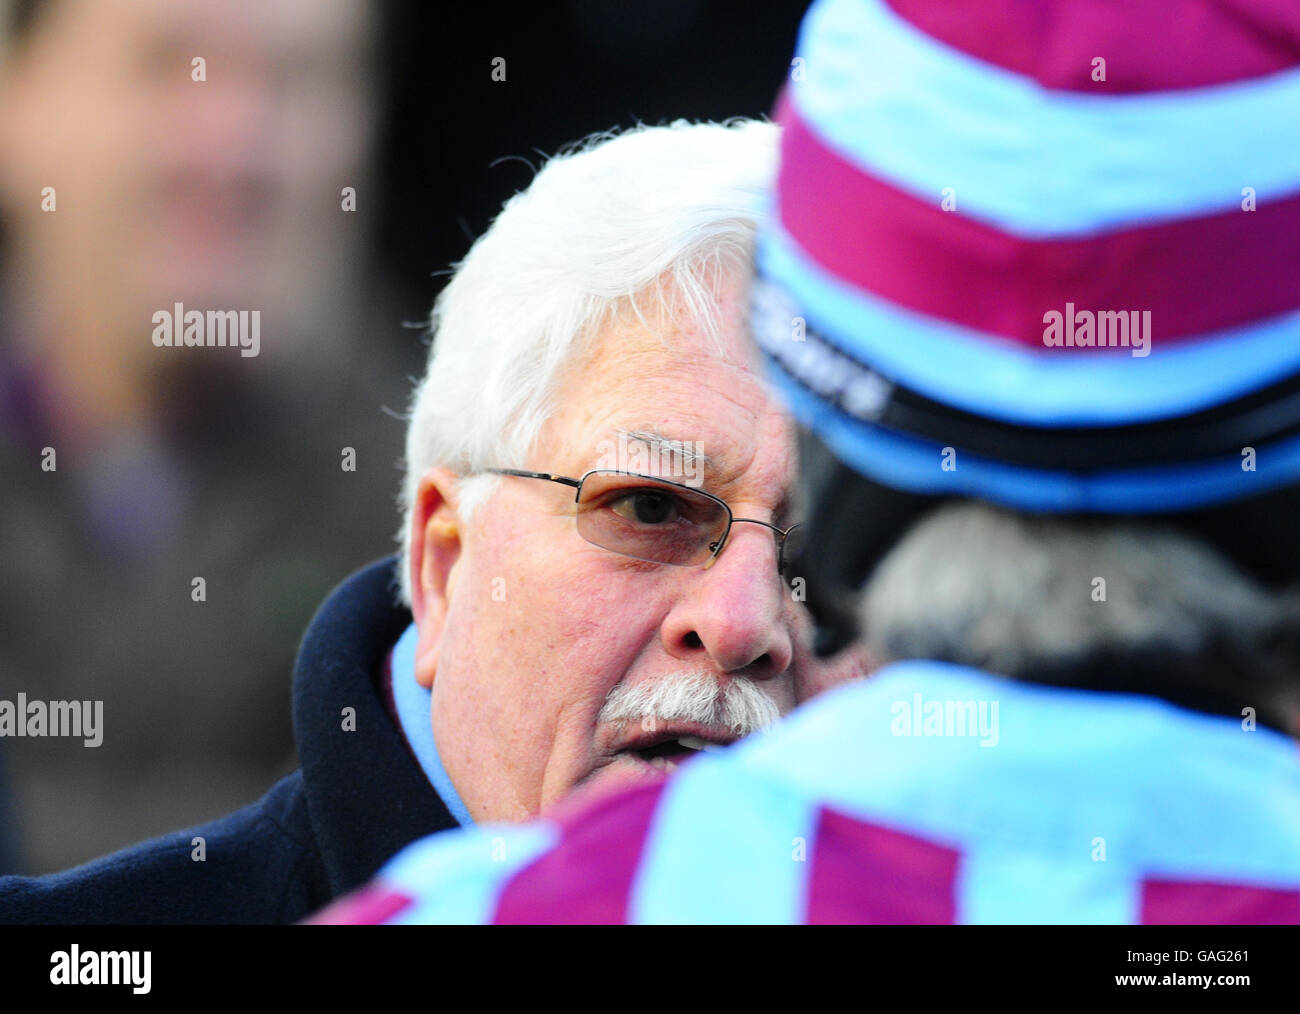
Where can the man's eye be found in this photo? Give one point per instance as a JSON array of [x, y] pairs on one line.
[[646, 506]]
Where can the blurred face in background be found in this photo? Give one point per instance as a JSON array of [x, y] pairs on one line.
[[220, 192]]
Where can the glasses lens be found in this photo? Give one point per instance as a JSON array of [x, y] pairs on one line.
[[649, 520]]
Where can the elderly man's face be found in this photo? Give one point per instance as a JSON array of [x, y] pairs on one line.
[[526, 628]]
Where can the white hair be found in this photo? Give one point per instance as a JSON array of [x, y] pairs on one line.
[[1012, 593], [659, 211]]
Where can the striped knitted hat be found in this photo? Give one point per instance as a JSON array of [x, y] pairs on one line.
[[1044, 253]]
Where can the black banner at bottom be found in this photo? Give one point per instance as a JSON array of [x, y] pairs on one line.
[[369, 964]]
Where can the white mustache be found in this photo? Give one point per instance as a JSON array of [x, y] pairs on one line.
[[743, 707]]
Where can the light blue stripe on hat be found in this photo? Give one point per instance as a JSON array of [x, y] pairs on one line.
[[990, 376], [1036, 162]]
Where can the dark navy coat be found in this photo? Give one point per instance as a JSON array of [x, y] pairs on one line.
[[358, 797]]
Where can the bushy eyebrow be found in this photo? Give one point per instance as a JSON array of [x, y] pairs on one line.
[[661, 445]]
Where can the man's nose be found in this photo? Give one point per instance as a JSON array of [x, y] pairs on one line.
[[734, 611]]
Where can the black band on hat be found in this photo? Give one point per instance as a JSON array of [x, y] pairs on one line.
[[831, 373]]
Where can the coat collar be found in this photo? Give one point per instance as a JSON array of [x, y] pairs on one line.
[[366, 795]]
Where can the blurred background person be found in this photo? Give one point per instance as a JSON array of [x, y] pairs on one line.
[[155, 152]]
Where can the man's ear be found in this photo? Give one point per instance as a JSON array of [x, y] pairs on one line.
[[435, 551]]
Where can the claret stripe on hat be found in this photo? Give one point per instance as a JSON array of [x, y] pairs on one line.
[[979, 372], [915, 244], [1148, 46]]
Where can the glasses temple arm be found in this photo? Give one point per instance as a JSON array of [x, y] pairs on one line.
[[575, 483]]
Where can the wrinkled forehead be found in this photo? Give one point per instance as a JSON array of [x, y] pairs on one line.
[[673, 402]]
